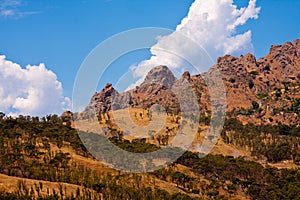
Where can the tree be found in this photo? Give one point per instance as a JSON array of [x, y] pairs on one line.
[[255, 105], [251, 84], [2, 115], [232, 80]]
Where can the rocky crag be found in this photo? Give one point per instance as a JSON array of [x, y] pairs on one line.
[[262, 91]]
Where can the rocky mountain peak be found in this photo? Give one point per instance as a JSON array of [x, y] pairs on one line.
[[289, 49], [229, 60], [186, 75], [297, 43], [270, 81], [106, 100], [224, 60], [108, 89], [250, 58], [160, 75]]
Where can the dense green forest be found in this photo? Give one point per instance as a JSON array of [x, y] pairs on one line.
[[25, 151]]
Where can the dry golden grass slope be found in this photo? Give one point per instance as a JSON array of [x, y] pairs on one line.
[[10, 184]]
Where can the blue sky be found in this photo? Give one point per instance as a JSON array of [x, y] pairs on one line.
[[62, 33]]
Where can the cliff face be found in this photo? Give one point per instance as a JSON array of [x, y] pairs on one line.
[[246, 77], [258, 91], [160, 75], [106, 100], [271, 81]]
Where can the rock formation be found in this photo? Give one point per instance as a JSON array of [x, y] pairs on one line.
[[272, 82]]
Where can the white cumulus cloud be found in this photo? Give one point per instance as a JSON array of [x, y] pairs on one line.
[[34, 90], [212, 24]]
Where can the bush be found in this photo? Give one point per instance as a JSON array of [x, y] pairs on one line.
[[251, 84], [255, 73], [279, 153], [267, 68], [262, 96], [255, 105], [232, 80]]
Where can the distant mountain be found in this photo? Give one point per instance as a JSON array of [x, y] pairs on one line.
[[160, 75], [259, 91]]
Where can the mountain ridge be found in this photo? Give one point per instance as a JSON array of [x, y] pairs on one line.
[[271, 82]]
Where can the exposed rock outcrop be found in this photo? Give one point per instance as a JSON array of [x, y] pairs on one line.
[[160, 75], [106, 100], [246, 80]]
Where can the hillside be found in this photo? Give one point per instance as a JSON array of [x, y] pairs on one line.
[[262, 97], [257, 155], [47, 154]]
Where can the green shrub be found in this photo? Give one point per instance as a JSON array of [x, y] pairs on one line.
[[262, 96], [251, 84], [255, 73], [267, 68], [232, 80]]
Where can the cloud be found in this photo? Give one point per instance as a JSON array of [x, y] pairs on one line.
[[10, 3], [34, 90], [10, 9], [7, 13], [211, 24]]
